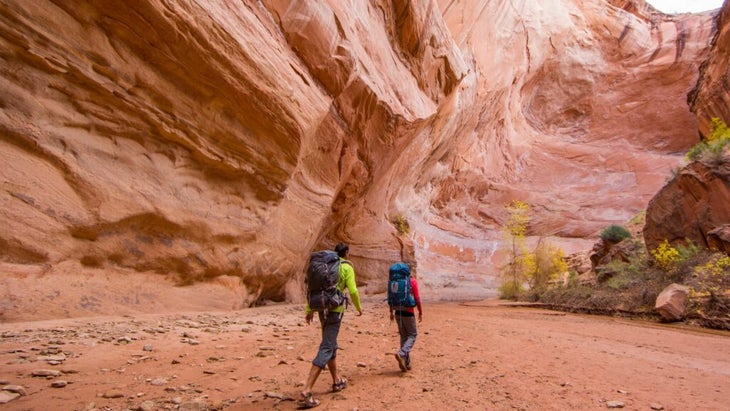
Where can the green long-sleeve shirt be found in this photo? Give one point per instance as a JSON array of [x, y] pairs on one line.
[[347, 280]]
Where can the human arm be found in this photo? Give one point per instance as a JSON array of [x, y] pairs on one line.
[[308, 313], [417, 297], [348, 277]]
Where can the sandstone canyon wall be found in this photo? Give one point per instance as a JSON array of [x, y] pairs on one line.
[[201, 140], [711, 97]]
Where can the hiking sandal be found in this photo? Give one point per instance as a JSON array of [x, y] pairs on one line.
[[339, 385], [401, 362], [307, 401]]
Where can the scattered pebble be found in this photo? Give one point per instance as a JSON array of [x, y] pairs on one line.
[[113, 394]]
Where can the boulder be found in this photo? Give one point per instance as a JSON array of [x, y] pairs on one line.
[[604, 252], [670, 302], [691, 205], [719, 239]]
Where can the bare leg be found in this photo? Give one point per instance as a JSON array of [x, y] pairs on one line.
[[332, 365], [313, 375]]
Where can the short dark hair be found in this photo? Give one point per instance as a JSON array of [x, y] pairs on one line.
[[342, 249]]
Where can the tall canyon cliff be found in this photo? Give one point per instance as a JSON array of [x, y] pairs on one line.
[[203, 141]]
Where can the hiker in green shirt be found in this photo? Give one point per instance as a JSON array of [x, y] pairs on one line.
[[330, 322]]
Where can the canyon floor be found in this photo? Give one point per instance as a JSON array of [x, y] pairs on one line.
[[469, 356]]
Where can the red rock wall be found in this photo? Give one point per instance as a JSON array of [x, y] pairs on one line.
[[711, 98], [200, 138], [694, 203]]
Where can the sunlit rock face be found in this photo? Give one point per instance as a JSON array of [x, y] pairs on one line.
[[200, 139]]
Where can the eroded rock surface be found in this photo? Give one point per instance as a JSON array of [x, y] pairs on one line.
[[203, 139], [694, 204]]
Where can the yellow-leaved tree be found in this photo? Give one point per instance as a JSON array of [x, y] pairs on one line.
[[519, 260], [549, 265]]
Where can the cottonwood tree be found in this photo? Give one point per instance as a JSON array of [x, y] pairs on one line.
[[518, 258]]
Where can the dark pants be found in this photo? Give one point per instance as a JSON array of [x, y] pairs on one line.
[[328, 346]]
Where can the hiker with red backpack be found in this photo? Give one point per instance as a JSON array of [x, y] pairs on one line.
[[403, 296], [328, 274]]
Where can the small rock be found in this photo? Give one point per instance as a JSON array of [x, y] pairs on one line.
[[278, 396], [146, 406], [159, 381], [656, 407], [46, 373], [362, 365], [7, 396], [18, 389], [59, 384], [614, 404], [147, 347], [113, 394], [195, 405]]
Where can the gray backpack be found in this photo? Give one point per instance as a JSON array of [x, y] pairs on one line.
[[323, 274]]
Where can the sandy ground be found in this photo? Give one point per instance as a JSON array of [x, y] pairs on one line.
[[472, 356]]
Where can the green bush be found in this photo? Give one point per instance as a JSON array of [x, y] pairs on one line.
[[615, 233], [620, 281]]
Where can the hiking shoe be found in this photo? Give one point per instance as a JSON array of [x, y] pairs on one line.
[[340, 385], [401, 362]]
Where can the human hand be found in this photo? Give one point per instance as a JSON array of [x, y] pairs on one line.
[[309, 317], [420, 316]]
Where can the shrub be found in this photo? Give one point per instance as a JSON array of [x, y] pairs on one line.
[[620, 281], [666, 256], [510, 290], [714, 146], [615, 233], [401, 224], [688, 250]]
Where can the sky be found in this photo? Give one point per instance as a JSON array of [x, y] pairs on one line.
[[683, 6]]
